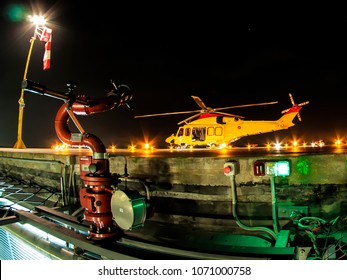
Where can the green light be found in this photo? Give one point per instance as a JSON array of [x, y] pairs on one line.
[[282, 168], [277, 168], [303, 166], [16, 12]]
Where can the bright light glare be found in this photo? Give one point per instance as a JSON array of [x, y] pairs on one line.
[[222, 146], [60, 147], [132, 148], [282, 168], [278, 146], [37, 20]]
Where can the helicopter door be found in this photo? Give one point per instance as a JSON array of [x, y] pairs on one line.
[[198, 133], [180, 132]]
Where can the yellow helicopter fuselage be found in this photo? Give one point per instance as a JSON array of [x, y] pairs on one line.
[[216, 130], [209, 127]]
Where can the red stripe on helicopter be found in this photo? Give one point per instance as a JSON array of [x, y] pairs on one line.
[[294, 109], [202, 116]]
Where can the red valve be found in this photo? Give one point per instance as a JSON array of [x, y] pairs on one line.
[[231, 168], [227, 169]]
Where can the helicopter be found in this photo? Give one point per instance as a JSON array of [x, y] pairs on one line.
[[209, 127]]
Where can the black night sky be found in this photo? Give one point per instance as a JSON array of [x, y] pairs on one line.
[[168, 52]]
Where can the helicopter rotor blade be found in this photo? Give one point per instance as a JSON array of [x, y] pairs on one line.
[[205, 109], [299, 117], [221, 113], [291, 99], [300, 105], [303, 103], [163, 114], [247, 105], [188, 119], [200, 103], [229, 115]]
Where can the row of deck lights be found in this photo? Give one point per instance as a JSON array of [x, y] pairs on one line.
[[149, 147]]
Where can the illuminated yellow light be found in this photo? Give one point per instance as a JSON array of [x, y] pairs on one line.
[[223, 151], [132, 148], [113, 148], [60, 147], [223, 145]]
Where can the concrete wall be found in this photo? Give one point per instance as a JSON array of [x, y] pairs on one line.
[[196, 187]]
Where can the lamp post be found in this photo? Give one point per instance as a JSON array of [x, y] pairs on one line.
[[39, 22]]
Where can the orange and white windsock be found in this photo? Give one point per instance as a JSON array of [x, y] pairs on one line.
[[46, 36]]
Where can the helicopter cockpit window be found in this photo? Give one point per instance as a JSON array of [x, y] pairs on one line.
[[187, 132], [180, 132], [198, 133]]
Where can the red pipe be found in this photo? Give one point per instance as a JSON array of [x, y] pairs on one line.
[[86, 140], [96, 194], [97, 190]]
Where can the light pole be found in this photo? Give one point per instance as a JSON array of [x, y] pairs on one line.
[[39, 22]]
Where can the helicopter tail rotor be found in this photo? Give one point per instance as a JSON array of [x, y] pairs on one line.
[[295, 105]]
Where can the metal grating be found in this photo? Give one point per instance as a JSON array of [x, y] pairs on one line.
[[25, 194], [13, 248]]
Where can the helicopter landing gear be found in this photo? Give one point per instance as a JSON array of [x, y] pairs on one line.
[[179, 147]]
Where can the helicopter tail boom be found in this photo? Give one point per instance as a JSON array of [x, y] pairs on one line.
[[287, 118]]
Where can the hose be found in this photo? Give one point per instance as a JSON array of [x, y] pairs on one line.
[[237, 220], [274, 206]]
